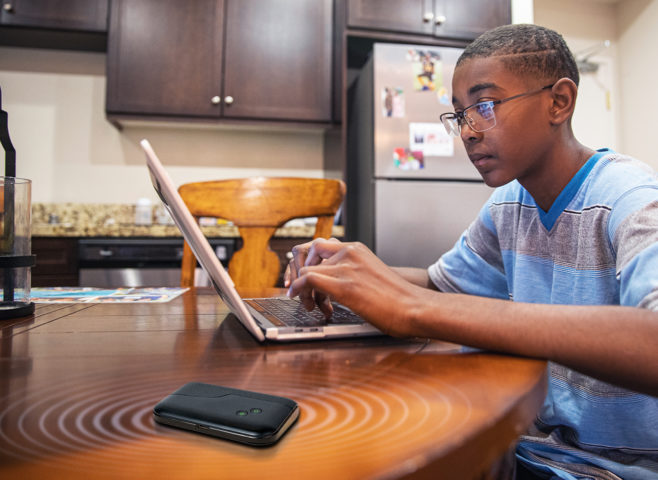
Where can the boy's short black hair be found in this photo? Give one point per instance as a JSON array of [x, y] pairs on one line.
[[526, 50]]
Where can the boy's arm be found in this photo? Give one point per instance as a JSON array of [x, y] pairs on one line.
[[611, 343], [417, 276]]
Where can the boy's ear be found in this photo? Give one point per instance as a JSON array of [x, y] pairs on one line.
[[563, 96]]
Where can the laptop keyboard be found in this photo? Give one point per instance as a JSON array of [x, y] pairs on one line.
[[292, 313]]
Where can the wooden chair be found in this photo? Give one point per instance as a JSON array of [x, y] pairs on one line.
[[258, 206]]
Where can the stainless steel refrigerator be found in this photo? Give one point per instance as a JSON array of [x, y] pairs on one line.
[[411, 189]]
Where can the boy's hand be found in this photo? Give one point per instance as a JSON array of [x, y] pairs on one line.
[[300, 258], [352, 275]]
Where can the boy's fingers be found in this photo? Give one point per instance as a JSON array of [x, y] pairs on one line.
[[324, 304], [322, 249]]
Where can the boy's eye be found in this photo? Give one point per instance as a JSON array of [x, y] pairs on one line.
[[484, 109]]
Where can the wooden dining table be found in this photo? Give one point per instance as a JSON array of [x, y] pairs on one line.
[[78, 383]]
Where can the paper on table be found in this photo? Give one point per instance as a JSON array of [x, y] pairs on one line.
[[104, 295]]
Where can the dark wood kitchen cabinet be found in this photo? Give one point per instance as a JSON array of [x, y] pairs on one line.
[[391, 15], [469, 18], [54, 24], [56, 263], [235, 59], [165, 59], [86, 15], [464, 19]]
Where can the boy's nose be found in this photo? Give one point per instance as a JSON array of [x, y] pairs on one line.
[[468, 134]]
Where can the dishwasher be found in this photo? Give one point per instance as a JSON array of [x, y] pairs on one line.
[[140, 262]]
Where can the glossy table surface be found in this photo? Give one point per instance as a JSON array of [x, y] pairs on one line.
[[78, 383]]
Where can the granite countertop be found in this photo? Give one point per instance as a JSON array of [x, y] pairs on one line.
[[117, 220]]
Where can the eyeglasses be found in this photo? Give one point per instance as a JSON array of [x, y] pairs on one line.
[[479, 116]]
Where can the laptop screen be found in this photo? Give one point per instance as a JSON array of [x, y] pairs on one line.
[[181, 215]]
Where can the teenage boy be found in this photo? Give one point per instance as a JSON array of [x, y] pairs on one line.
[[561, 263]]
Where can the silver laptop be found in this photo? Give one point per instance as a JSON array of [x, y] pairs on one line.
[[277, 319]]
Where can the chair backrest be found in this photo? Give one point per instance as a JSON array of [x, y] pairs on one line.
[[258, 206]]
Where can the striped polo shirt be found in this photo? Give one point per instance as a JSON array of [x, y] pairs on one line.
[[597, 245]]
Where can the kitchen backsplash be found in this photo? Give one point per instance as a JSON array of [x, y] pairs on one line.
[[118, 220], [66, 214]]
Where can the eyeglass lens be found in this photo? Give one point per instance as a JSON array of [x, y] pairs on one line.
[[480, 117], [451, 124]]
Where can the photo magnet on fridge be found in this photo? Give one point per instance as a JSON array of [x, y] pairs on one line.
[[392, 102]]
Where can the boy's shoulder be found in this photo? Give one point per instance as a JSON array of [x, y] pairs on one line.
[[615, 175], [628, 168], [612, 176]]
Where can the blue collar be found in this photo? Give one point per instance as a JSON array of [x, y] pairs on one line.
[[549, 218]]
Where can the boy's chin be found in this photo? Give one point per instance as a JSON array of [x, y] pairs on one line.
[[494, 181]]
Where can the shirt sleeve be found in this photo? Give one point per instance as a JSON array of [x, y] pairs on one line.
[[474, 265], [633, 229]]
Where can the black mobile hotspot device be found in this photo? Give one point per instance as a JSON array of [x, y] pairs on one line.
[[239, 415]]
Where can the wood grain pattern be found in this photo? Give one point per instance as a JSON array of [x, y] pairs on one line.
[[258, 206], [78, 384]]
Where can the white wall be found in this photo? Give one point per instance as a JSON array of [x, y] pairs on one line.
[[637, 26], [586, 24], [64, 144], [607, 108]]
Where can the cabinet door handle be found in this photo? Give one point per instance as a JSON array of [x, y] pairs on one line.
[[8, 7], [440, 20], [427, 18], [228, 99], [216, 100]]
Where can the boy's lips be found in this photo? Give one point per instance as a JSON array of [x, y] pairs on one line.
[[480, 159]]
